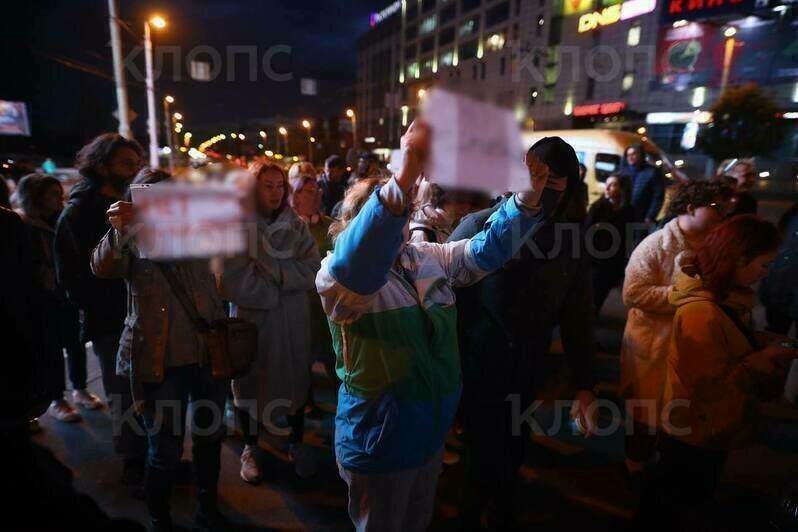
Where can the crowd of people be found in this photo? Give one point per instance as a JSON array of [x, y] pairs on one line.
[[429, 307]]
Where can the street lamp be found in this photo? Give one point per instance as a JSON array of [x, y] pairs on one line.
[[284, 132], [167, 102], [307, 125], [351, 114], [159, 23]]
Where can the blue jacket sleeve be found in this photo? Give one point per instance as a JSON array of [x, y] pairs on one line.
[[367, 248], [507, 229]]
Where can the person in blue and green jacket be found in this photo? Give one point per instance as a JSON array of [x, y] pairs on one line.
[[392, 315]]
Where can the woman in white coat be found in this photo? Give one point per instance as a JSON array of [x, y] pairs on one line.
[[698, 207], [270, 288]]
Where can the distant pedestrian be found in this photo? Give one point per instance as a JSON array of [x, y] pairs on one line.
[[332, 183], [107, 165], [607, 224], [779, 290], [648, 184], [742, 174]]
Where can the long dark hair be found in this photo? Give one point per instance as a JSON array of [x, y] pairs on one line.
[[740, 237], [99, 151], [31, 189]]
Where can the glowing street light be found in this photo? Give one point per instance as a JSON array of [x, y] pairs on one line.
[[284, 132], [169, 99], [152, 124], [178, 116], [158, 21], [351, 114], [262, 134]]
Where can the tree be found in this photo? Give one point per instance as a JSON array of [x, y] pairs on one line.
[[745, 123]]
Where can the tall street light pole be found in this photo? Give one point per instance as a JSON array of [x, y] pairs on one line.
[[119, 71], [353, 117], [307, 125], [152, 118], [167, 114], [284, 132]]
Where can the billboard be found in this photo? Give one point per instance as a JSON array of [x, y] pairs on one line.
[[14, 119], [674, 10]]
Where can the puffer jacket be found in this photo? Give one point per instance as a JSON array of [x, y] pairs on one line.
[[710, 396], [393, 320], [644, 350], [142, 346]]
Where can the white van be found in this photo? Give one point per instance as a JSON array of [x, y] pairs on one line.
[[602, 152]]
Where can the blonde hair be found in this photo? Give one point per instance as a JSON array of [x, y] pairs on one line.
[[302, 169], [355, 198]]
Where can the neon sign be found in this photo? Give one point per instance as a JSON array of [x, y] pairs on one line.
[[615, 13], [384, 13], [599, 109]]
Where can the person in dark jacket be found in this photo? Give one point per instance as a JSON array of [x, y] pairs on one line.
[[648, 184], [108, 164], [40, 199], [504, 340], [606, 230], [332, 183], [165, 358], [779, 290]]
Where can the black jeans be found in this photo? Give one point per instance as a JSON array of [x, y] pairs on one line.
[[164, 414], [681, 493], [250, 426], [129, 436], [69, 327]]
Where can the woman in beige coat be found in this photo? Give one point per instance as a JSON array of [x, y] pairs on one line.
[[697, 207]]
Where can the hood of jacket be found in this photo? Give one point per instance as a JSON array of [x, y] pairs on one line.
[[689, 288]]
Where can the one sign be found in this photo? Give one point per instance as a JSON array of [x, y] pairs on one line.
[[615, 13], [200, 71], [475, 145], [308, 87], [180, 221], [702, 9], [386, 12], [14, 119], [599, 109]]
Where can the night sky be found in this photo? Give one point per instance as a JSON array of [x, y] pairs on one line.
[[69, 105]]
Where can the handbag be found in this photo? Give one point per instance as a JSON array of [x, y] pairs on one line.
[[232, 343]]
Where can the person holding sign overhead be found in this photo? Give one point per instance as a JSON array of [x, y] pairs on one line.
[[391, 310]]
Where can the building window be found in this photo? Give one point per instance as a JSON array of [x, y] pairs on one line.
[[410, 52], [427, 6], [497, 14], [468, 50], [633, 37], [469, 27], [412, 11], [446, 36], [502, 66], [412, 70], [468, 5], [428, 24], [427, 44], [495, 42], [447, 58], [628, 81], [591, 89], [548, 94], [447, 14], [411, 32], [427, 66]]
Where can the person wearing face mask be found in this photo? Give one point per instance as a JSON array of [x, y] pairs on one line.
[[107, 165], [697, 207], [40, 199], [718, 370], [270, 288], [391, 308], [504, 341]]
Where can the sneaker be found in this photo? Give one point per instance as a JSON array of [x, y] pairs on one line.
[[86, 400], [250, 472], [62, 411], [450, 457], [303, 458]]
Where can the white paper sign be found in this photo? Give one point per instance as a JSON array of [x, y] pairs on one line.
[[475, 145], [180, 221]]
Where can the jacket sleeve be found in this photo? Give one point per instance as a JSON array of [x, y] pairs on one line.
[[657, 194], [66, 253], [110, 259], [299, 272], [249, 283], [577, 330], [641, 285]]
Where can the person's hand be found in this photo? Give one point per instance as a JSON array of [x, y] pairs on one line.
[[415, 144], [539, 172], [121, 215], [540, 177], [770, 358], [584, 412]]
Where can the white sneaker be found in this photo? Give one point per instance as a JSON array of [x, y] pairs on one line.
[[250, 472], [86, 400], [62, 411], [303, 458]]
